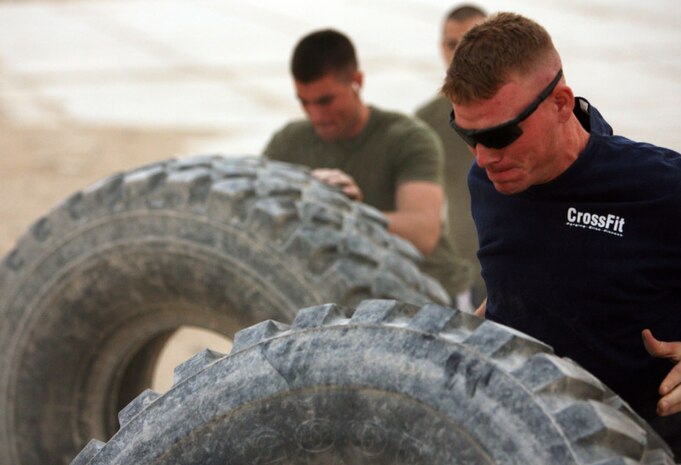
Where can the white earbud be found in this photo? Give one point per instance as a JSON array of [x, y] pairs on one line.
[[355, 87]]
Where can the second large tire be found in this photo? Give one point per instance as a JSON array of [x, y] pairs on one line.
[[95, 288], [387, 384]]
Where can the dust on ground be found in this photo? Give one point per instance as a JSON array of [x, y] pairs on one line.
[[40, 166]]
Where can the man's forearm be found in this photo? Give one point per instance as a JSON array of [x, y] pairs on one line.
[[421, 229]]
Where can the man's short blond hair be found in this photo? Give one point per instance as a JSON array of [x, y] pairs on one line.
[[489, 53]]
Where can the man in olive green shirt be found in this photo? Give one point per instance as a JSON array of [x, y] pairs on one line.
[[388, 160], [458, 158]]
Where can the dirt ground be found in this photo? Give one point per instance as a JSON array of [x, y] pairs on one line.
[[40, 166]]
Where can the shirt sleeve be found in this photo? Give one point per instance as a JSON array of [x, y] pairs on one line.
[[419, 155], [275, 148]]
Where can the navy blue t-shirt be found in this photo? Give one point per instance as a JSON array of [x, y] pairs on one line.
[[590, 259]]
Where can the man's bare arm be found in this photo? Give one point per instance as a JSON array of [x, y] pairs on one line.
[[417, 216], [418, 207]]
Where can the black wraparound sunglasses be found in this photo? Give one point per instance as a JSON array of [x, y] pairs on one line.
[[504, 134]]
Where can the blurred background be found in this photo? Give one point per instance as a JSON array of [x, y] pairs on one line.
[[92, 87]]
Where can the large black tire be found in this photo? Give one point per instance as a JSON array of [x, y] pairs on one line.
[[394, 384], [92, 292]]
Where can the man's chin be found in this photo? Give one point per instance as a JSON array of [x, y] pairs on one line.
[[327, 134], [507, 182], [508, 188]]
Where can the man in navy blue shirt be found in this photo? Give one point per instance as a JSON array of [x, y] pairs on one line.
[[579, 230]]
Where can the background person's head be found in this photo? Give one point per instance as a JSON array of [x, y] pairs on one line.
[[456, 23], [327, 81]]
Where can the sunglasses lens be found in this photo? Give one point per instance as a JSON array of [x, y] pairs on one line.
[[499, 138], [468, 139], [493, 138]]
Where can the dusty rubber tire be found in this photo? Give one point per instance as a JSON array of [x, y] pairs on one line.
[[392, 384], [91, 293]]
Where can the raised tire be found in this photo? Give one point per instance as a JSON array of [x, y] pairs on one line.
[[392, 384], [94, 289]]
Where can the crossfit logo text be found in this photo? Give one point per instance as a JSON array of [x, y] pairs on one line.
[[611, 224]]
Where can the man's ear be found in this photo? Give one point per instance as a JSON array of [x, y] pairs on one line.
[[357, 81], [564, 100]]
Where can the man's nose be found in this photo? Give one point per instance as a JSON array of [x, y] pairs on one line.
[[315, 113], [484, 156]]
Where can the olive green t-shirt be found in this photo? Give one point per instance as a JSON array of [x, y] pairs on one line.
[[458, 160], [391, 149]]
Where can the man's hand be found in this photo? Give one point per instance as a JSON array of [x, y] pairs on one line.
[[482, 309], [339, 179], [670, 389]]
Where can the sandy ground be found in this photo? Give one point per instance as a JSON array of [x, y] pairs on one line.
[[42, 165]]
